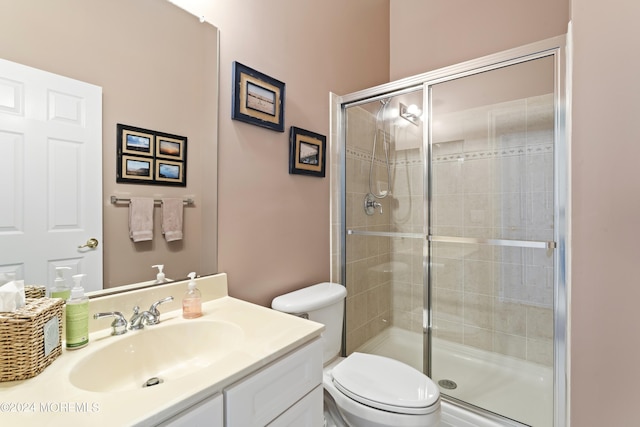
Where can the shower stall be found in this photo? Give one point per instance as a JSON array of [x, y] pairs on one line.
[[448, 224]]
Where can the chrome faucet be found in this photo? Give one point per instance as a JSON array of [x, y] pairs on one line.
[[148, 317], [119, 324], [138, 320]]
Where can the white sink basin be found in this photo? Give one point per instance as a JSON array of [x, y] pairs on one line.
[[166, 352]]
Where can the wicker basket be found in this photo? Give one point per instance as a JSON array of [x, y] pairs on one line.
[[22, 338], [35, 291]]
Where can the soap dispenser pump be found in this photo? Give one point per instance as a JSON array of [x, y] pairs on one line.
[[192, 301], [160, 278], [77, 316], [60, 288]]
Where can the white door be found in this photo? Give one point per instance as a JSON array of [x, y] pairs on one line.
[[50, 175]]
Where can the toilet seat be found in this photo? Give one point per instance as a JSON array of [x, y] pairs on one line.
[[386, 384]]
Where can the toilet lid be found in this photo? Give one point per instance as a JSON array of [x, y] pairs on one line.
[[384, 383]]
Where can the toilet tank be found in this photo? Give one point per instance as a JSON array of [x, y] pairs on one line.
[[323, 303]]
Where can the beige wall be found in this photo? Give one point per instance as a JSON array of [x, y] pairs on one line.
[[157, 67], [274, 227], [430, 34], [605, 343]]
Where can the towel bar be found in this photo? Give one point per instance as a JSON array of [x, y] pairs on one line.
[[116, 199]]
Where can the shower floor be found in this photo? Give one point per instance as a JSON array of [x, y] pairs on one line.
[[513, 388]]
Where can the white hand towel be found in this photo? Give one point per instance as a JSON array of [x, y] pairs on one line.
[[172, 219], [141, 219]]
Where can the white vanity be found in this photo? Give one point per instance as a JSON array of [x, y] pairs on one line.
[[238, 365]]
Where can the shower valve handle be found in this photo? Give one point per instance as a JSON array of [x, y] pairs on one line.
[[370, 204]]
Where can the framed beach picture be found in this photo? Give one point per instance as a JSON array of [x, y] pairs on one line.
[[307, 152], [150, 157], [173, 148], [257, 98], [135, 168], [169, 172], [136, 141]]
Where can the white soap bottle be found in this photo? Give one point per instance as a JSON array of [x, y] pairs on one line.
[[60, 288], [77, 316], [192, 301], [160, 278]]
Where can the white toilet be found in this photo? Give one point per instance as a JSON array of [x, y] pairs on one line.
[[368, 390]]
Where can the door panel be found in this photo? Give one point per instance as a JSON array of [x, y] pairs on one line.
[[51, 187], [492, 239]]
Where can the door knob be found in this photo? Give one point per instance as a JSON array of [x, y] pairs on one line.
[[91, 244]]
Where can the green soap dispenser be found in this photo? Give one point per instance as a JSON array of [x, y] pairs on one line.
[[60, 288], [77, 316]]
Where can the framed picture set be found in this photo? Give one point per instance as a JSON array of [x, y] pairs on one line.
[[307, 152], [257, 98], [150, 157]]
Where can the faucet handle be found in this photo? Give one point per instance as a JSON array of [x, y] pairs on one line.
[[119, 324], [154, 318], [154, 307]]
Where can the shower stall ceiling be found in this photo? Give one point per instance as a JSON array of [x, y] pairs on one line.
[[454, 270]]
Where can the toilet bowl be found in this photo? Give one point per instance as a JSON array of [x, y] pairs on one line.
[[368, 390], [376, 391]]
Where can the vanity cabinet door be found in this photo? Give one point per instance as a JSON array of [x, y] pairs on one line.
[[208, 413], [263, 396], [308, 412]]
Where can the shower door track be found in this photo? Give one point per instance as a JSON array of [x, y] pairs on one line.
[[535, 244]]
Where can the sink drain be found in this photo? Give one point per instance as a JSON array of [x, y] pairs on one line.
[[448, 384], [152, 381]]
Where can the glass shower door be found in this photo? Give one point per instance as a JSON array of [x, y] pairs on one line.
[[385, 228], [491, 233]]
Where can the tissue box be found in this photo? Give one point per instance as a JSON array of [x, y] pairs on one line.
[[30, 338]]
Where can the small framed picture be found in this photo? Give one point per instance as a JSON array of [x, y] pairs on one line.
[[307, 152], [136, 141], [257, 98], [170, 172], [170, 147], [136, 169], [150, 157]]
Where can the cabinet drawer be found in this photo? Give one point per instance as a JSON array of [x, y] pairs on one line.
[[204, 414], [263, 396], [308, 412]]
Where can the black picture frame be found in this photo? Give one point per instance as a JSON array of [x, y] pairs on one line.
[[307, 152], [150, 157], [257, 98]]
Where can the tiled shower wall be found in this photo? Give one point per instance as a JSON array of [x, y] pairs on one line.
[[384, 275], [368, 306], [493, 178], [408, 216]]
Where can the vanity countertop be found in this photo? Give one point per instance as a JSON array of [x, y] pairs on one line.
[[51, 399]]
